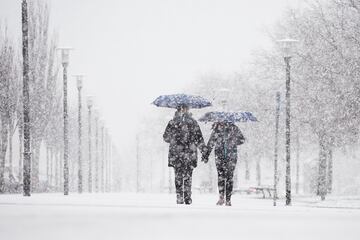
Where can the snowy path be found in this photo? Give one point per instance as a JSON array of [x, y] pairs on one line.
[[155, 216]]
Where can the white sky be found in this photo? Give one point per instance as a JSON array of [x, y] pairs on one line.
[[134, 50]]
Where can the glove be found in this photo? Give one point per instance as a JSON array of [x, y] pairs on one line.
[[205, 157]]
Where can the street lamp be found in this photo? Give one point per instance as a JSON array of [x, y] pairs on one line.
[[287, 46], [137, 163], [96, 150], [79, 83], [276, 146], [108, 167], [89, 105], [108, 162], [102, 157], [26, 102], [65, 54], [223, 96]]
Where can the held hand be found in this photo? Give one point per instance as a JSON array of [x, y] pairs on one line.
[[205, 152], [205, 157]]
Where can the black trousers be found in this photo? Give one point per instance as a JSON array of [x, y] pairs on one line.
[[183, 180], [225, 170]]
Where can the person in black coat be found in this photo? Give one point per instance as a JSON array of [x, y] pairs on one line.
[[184, 136], [225, 137]]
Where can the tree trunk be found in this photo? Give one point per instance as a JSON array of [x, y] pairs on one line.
[[35, 177], [11, 176], [61, 174], [297, 163], [2, 171], [321, 190], [170, 181], [236, 185], [20, 176], [4, 142], [57, 163], [330, 171], [48, 166], [53, 164], [247, 169], [211, 178], [258, 172]]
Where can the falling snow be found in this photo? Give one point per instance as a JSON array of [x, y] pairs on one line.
[[206, 120]]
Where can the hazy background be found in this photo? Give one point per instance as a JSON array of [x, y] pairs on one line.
[[132, 51]]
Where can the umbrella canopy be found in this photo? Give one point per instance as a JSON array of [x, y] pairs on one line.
[[228, 117], [177, 100]]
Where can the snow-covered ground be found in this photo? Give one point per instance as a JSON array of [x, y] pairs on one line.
[[156, 216]]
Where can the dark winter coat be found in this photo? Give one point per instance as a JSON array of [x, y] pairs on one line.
[[225, 137], [184, 136]]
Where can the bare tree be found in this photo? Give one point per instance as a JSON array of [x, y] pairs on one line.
[[43, 79], [326, 93], [7, 80]]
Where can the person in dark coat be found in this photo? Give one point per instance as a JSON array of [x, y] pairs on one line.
[[225, 137], [184, 136]]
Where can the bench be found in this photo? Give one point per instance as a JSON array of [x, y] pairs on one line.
[[244, 190], [204, 188], [263, 189]]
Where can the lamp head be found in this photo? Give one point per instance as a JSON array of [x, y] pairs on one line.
[[65, 55], [287, 46], [79, 81], [90, 101], [223, 95]]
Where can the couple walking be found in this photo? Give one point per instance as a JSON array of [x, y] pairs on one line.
[[184, 136]]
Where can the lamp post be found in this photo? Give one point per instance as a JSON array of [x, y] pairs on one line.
[[26, 102], [162, 184], [96, 150], [89, 105], [65, 54], [137, 164], [276, 145], [102, 158], [297, 162], [223, 96], [79, 82], [287, 46], [106, 160], [109, 163]]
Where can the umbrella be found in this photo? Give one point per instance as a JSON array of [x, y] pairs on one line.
[[177, 100], [228, 117]]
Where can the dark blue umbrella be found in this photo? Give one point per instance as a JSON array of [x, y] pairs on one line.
[[228, 117], [177, 100]]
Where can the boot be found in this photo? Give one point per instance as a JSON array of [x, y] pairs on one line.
[[179, 199], [188, 201], [221, 201], [187, 198], [228, 203]]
